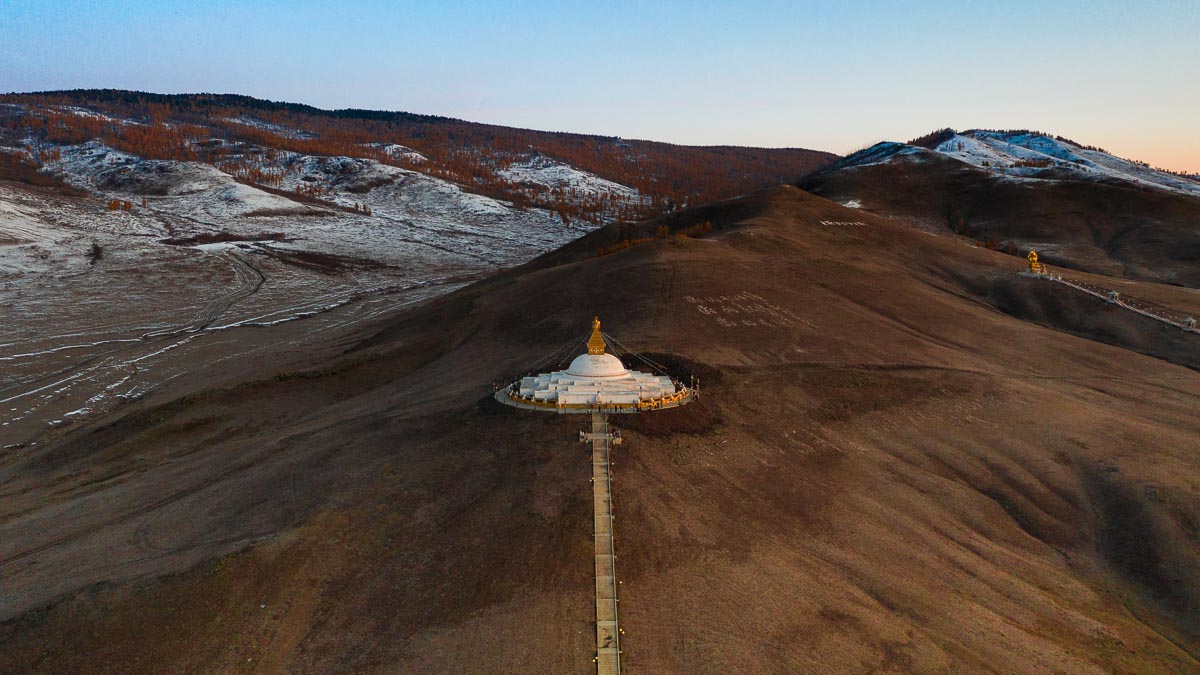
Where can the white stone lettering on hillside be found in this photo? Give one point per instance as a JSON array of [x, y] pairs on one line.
[[746, 309]]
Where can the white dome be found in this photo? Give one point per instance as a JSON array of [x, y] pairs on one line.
[[596, 365]]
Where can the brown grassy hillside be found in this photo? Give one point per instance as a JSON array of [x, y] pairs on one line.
[[1112, 228], [885, 472]]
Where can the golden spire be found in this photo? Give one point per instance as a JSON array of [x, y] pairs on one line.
[[596, 343]]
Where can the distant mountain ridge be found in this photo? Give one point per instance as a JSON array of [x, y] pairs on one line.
[[474, 155], [1024, 154]]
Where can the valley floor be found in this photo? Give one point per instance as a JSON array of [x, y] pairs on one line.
[[100, 307]]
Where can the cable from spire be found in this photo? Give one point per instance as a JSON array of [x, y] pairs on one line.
[[656, 366]]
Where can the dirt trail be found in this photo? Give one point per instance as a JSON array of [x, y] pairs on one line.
[[248, 279], [107, 369]]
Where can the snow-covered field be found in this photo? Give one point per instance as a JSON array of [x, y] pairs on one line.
[[203, 272]]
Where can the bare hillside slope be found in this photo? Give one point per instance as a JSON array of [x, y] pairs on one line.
[[889, 469]]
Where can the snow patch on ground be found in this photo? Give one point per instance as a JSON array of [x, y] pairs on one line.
[[397, 151], [217, 247], [192, 189], [84, 112], [555, 175], [273, 128]]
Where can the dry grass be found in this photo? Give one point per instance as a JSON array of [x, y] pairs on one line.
[[885, 472]]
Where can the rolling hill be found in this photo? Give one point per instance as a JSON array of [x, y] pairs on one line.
[[901, 461], [1079, 207]]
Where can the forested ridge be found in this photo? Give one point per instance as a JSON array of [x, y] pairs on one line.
[[217, 128]]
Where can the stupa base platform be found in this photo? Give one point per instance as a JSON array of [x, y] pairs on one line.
[[683, 397]]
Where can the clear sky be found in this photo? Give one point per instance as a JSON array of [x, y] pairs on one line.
[[833, 75]]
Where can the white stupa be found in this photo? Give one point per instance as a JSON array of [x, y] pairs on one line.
[[597, 380]]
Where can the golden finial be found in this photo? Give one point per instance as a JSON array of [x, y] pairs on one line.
[[596, 343]]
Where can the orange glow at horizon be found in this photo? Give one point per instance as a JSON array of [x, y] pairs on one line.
[[1173, 154]]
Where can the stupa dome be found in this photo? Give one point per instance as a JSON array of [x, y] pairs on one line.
[[596, 365]]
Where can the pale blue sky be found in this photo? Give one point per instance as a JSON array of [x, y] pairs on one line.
[[832, 75]]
